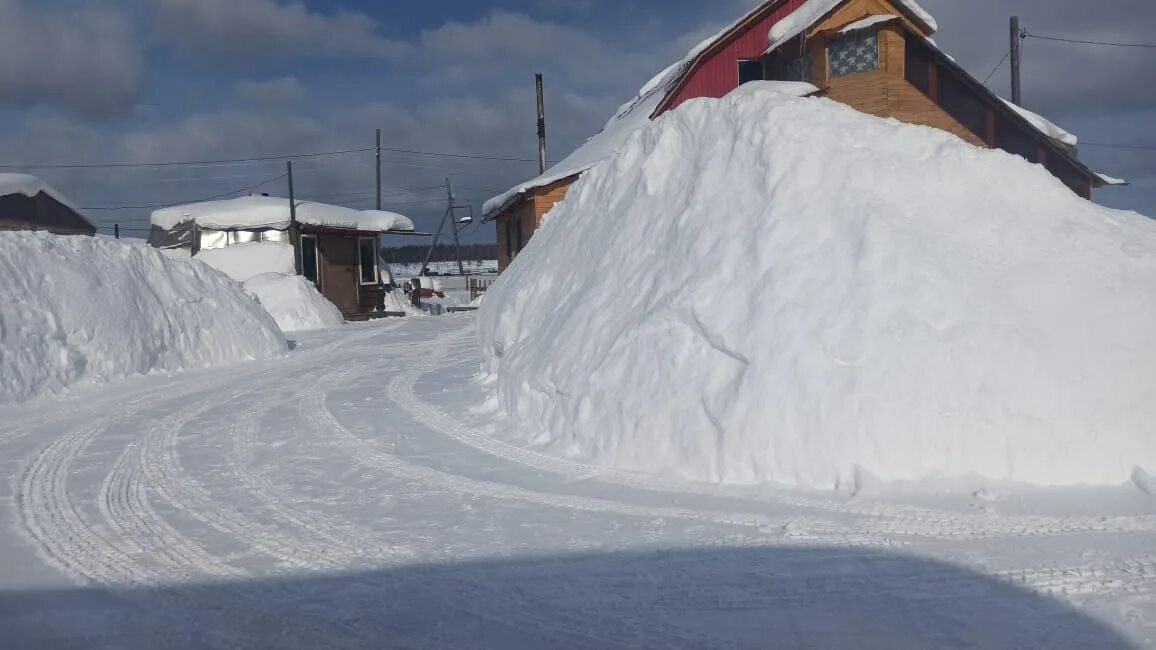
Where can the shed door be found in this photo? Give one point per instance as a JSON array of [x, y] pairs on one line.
[[339, 271]]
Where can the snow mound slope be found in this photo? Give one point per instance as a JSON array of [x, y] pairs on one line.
[[773, 289], [294, 302], [244, 261], [86, 310]]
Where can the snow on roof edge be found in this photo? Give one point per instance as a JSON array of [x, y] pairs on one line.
[[256, 212], [869, 21], [30, 186], [1109, 180], [1044, 125]]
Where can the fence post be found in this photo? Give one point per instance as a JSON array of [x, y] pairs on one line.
[[116, 230]]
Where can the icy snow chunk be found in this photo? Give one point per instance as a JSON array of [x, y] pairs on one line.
[[244, 261], [294, 302], [89, 310], [816, 294]]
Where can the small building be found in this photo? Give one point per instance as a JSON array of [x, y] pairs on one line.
[[28, 203], [335, 248], [874, 55]]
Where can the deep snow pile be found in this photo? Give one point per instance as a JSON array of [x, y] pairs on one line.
[[268, 271], [294, 302], [85, 310], [767, 288], [244, 261]]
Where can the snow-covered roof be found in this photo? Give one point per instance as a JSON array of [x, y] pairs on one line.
[[1109, 180], [30, 186], [273, 212], [634, 114], [1043, 125], [869, 21]]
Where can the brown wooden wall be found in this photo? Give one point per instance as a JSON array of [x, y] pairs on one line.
[[529, 210], [42, 212]]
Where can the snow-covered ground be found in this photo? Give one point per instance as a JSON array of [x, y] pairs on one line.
[[350, 495]]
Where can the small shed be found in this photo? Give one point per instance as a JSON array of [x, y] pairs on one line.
[[335, 248], [28, 203]]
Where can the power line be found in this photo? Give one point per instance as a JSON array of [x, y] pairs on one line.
[[1083, 42], [258, 159], [210, 198], [185, 163], [997, 67]]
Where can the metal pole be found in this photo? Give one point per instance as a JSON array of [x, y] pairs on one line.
[[434, 244], [378, 169], [1017, 43], [541, 125]]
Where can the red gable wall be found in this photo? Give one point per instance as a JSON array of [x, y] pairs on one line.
[[719, 74]]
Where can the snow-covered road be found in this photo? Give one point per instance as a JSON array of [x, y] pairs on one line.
[[348, 495]]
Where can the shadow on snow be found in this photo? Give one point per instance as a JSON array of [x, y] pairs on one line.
[[703, 598]]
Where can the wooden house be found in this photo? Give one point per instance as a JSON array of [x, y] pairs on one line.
[[874, 55], [28, 203], [335, 248]]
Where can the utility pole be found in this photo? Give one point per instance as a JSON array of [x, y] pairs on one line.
[[293, 234], [1017, 45], [454, 218], [116, 230], [541, 125], [378, 148]]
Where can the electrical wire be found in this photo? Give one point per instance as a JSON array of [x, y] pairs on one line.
[[1083, 42], [210, 198], [997, 67]]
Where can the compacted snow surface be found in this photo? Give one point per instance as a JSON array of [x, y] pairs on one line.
[[766, 288], [348, 496], [88, 310]]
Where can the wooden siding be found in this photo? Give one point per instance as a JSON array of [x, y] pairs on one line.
[[529, 210], [41, 212], [719, 73]]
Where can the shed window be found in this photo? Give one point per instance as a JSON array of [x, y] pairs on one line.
[[309, 258], [367, 259], [855, 52], [750, 70]]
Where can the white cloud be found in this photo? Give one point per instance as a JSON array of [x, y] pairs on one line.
[[274, 94], [261, 29], [86, 60]]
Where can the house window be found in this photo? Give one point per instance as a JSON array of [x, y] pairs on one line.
[[367, 259], [750, 70], [855, 52], [798, 69], [309, 258]]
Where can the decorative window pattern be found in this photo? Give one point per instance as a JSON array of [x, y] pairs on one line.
[[798, 69], [855, 52]]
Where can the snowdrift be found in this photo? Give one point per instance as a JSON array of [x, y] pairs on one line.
[[84, 310], [268, 271], [294, 302], [772, 289]]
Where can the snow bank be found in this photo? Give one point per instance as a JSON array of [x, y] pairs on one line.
[[294, 302], [85, 310], [251, 212], [244, 261], [765, 288]]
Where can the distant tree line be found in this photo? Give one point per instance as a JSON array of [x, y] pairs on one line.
[[442, 253]]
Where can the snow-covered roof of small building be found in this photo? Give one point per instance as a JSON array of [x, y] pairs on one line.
[[29, 185], [249, 212], [1045, 126], [637, 112]]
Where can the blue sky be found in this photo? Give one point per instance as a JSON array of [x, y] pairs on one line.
[[134, 81]]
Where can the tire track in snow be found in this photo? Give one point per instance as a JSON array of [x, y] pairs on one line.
[[881, 520]]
